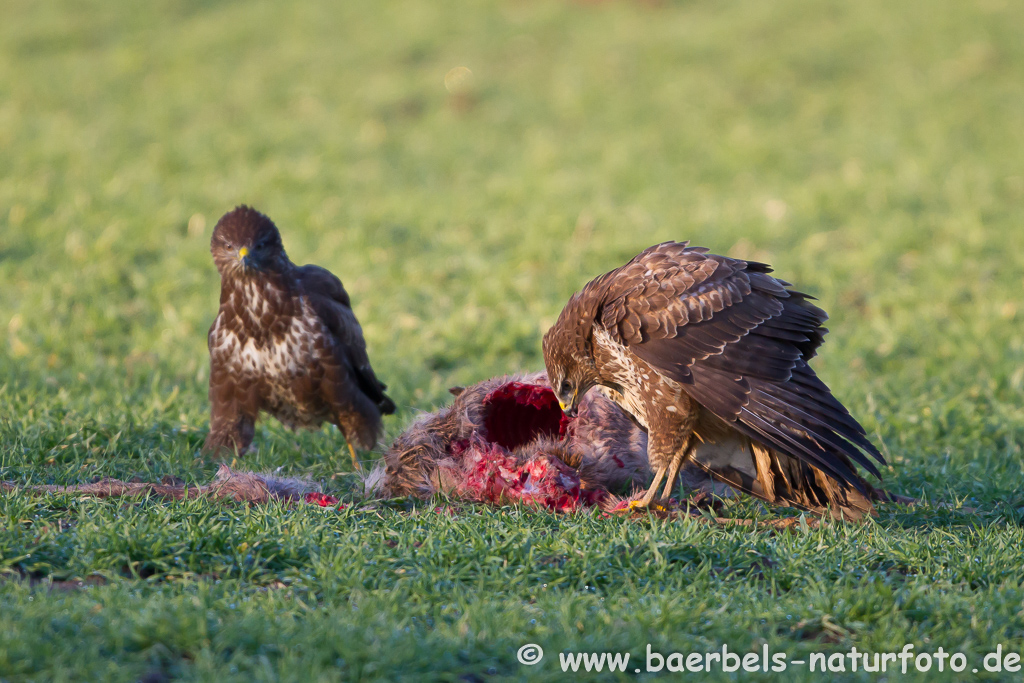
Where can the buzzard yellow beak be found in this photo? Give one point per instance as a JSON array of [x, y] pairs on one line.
[[568, 408], [243, 252]]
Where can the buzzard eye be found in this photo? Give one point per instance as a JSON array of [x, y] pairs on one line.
[[566, 387]]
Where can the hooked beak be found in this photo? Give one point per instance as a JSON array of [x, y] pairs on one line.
[[571, 409], [243, 254]]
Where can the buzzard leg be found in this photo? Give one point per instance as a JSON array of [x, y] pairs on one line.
[[229, 434], [677, 463], [355, 461], [672, 434], [673, 476]]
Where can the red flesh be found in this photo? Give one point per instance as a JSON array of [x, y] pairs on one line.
[[516, 414]]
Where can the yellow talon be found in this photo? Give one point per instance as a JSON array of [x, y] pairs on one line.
[[635, 505], [355, 461]]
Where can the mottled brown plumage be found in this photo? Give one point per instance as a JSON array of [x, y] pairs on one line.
[[285, 341], [701, 348]]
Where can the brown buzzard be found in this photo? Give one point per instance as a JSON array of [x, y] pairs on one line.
[[286, 342], [699, 348]]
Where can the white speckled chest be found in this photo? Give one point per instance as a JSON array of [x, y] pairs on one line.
[[272, 363], [634, 376]]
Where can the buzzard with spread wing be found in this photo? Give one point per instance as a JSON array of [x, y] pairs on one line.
[[699, 348], [286, 342]]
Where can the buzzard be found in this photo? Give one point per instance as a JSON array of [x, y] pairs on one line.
[[698, 348], [285, 341]]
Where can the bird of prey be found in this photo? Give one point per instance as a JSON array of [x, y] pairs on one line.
[[285, 341], [697, 346]]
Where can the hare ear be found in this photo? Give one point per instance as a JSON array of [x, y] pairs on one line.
[[456, 391]]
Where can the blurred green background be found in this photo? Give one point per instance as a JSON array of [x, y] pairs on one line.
[[464, 167]]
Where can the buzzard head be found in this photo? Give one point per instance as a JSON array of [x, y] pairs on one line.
[[571, 368], [245, 242]]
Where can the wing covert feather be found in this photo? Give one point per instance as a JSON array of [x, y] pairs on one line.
[[331, 302]]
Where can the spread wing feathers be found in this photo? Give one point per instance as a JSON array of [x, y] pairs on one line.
[[745, 464], [331, 303], [739, 341]]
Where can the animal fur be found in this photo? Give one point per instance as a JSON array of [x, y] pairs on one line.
[[228, 484]]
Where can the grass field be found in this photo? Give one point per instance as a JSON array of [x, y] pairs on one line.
[[873, 152]]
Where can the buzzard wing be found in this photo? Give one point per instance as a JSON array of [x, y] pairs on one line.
[[739, 341], [331, 302]]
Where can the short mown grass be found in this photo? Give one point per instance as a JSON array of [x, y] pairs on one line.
[[871, 151]]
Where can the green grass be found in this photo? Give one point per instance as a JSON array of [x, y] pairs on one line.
[[872, 151]]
